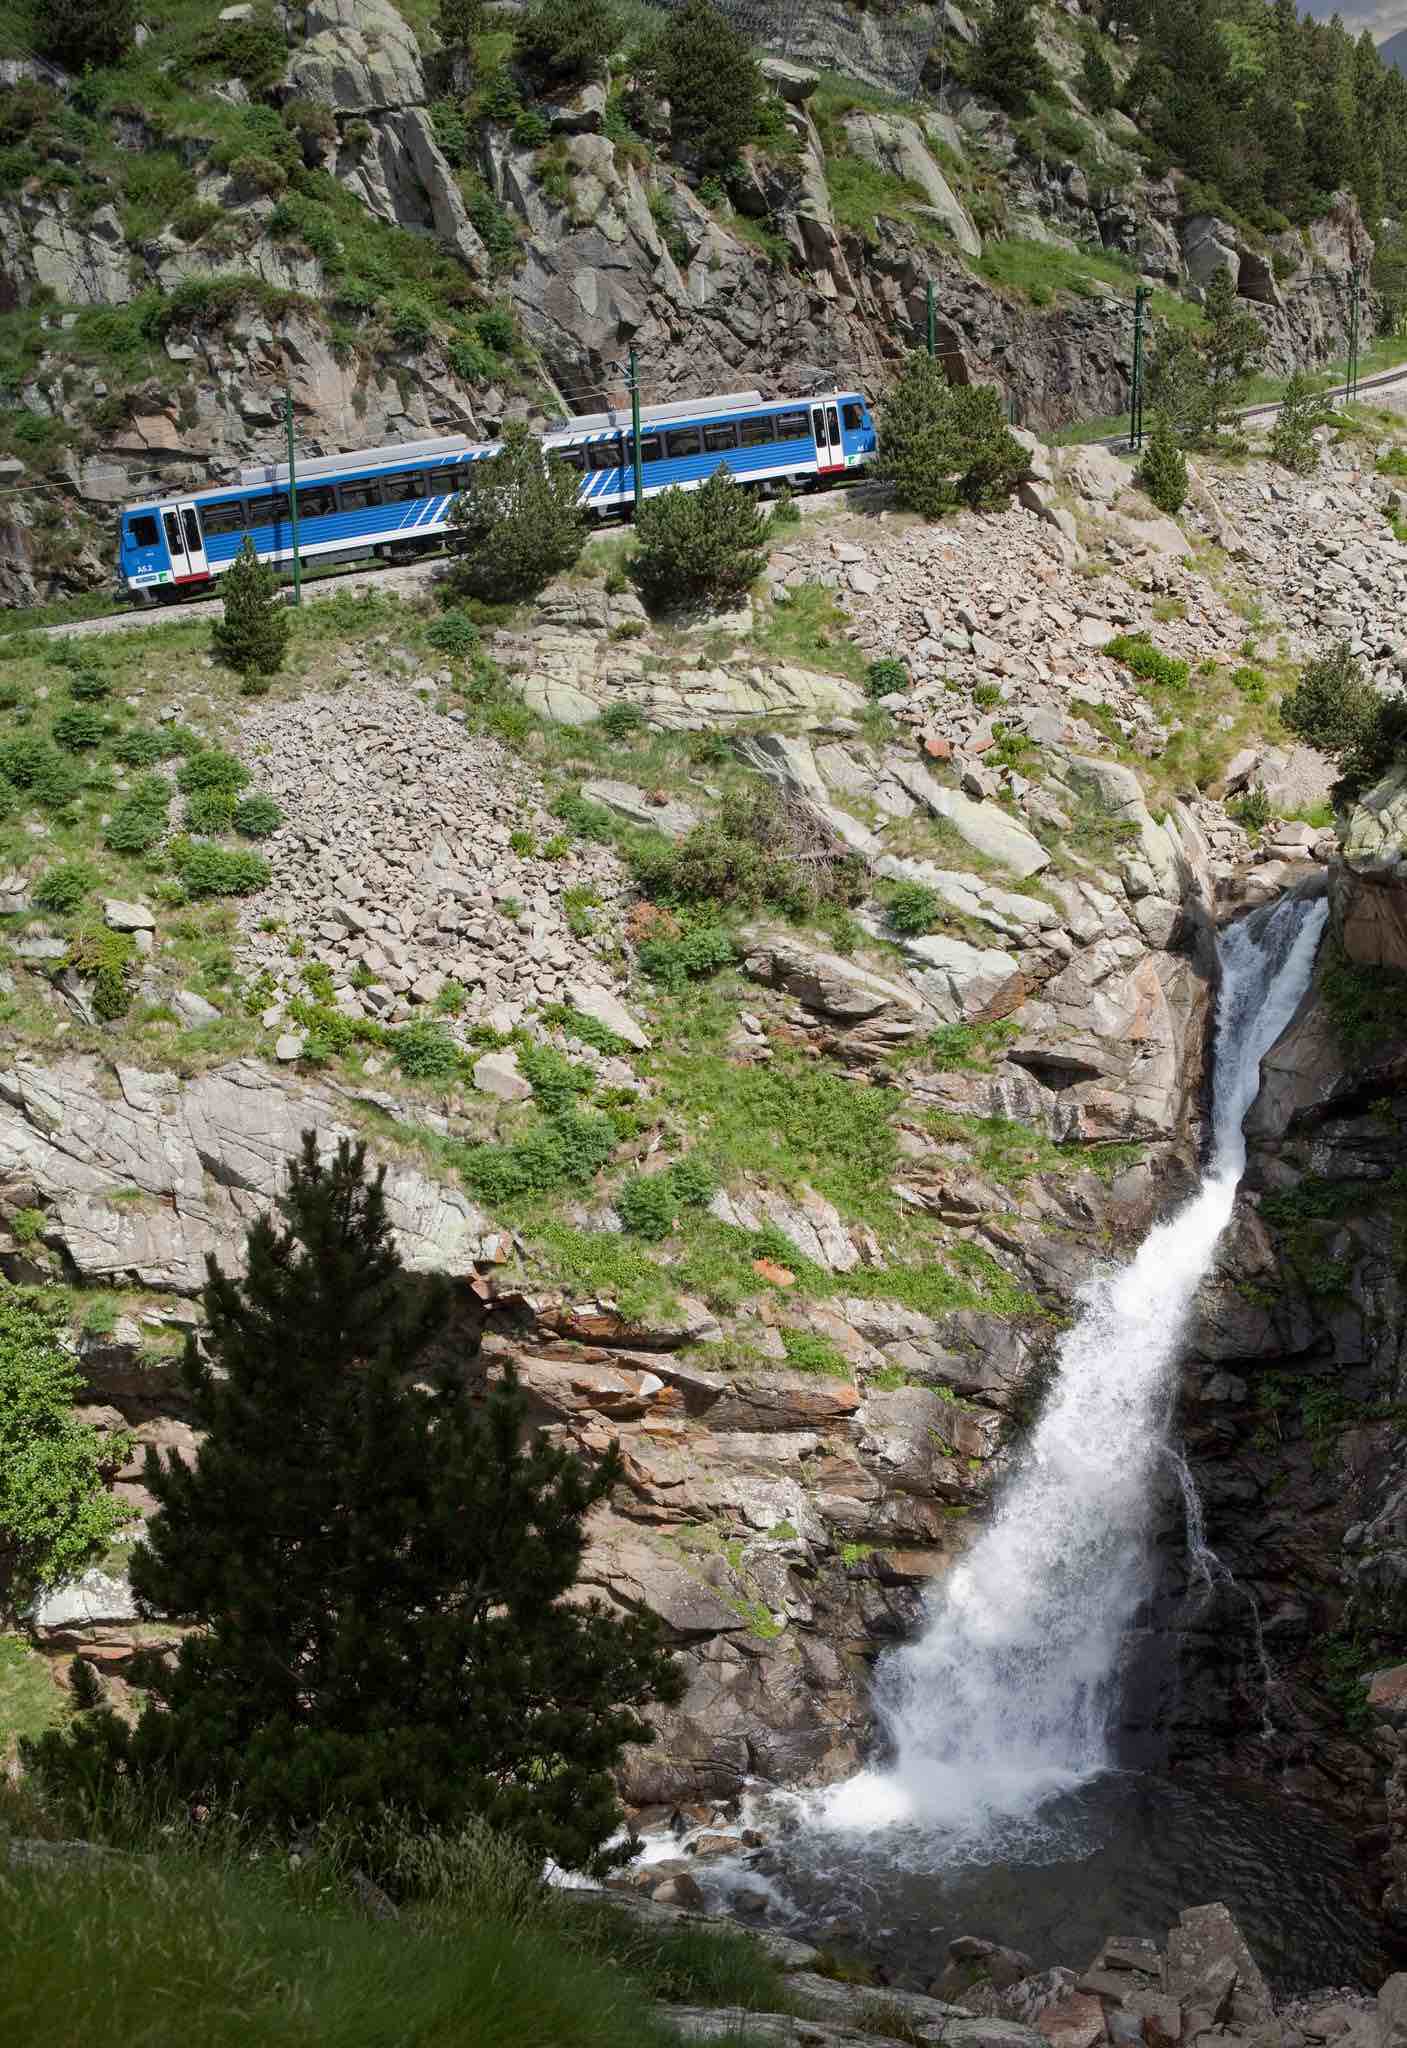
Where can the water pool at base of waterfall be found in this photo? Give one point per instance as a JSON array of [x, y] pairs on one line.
[[1122, 1854]]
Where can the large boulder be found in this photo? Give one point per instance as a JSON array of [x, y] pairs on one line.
[[893, 143], [357, 56]]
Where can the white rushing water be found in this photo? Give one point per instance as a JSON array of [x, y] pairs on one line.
[[1005, 1698]]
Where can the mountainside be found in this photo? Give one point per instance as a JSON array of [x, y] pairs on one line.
[[414, 238]]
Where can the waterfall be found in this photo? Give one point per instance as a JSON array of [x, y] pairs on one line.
[[1005, 1697]]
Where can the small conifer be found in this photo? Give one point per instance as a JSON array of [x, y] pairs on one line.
[[1163, 470], [708, 543], [253, 635], [384, 1569]]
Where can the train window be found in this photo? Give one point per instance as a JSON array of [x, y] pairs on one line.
[[792, 426], [143, 530], [756, 432], [356, 497], [461, 476], [226, 518], [194, 543], [724, 435], [684, 441], [317, 502], [268, 511], [173, 533], [441, 480], [854, 415], [605, 454], [651, 448], [401, 489], [575, 458]]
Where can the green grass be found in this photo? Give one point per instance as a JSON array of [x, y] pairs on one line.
[[808, 627], [1039, 271], [178, 1948], [860, 193], [30, 1701]]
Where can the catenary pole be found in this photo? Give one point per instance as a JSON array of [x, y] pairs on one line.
[[1141, 296], [293, 495], [635, 429]]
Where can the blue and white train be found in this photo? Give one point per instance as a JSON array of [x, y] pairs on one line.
[[395, 502]]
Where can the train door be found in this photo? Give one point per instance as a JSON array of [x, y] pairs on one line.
[[186, 543], [825, 430]]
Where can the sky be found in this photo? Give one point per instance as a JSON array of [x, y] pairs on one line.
[[1385, 19]]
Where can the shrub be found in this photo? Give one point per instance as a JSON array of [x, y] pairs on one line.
[[646, 1206], [808, 1352], [586, 819], [211, 768], [711, 542], [913, 907], [517, 524], [210, 811], [55, 1512], [61, 889], [556, 1082], [496, 329], [252, 50], [207, 870], [424, 1051], [762, 848], [255, 817], [78, 728], [1098, 86], [785, 511], [136, 825], [1163, 470], [252, 637], [556, 1152], [103, 958], [264, 173], [562, 41], [89, 685], [676, 960], [705, 68], [139, 747], [459, 23], [1335, 708], [79, 33], [454, 632], [530, 130], [1292, 442], [622, 721], [1137, 652], [410, 323], [886, 676], [1252, 811]]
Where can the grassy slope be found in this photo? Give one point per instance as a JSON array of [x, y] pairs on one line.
[[179, 1949]]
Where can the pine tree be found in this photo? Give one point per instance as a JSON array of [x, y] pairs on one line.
[[707, 72], [1292, 437], [253, 635], [1007, 64], [708, 543], [1232, 347], [516, 524], [1163, 470], [1098, 85], [385, 1576], [938, 443], [81, 33]]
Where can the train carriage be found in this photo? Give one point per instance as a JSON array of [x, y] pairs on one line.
[[395, 502]]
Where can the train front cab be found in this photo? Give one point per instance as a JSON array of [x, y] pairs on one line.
[[162, 550]]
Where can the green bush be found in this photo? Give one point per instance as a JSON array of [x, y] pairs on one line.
[[140, 747], [252, 637], [255, 817], [78, 728], [55, 1512], [912, 908], [210, 811], [1163, 470], [61, 889], [1252, 683], [707, 543], [1335, 708], [211, 768], [556, 1082], [454, 632], [1137, 652], [103, 958], [561, 42], [264, 173], [555, 1152], [135, 826], [808, 1352], [1006, 64], [1252, 811], [646, 1206], [516, 525], [424, 1051], [690, 955], [586, 819], [761, 848], [80, 33], [253, 50], [207, 870], [410, 323], [622, 721], [497, 329], [886, 676], [89, 685]]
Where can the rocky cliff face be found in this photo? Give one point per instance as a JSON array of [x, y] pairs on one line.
[[347, 251]]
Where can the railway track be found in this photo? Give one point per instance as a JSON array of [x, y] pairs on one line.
[[414, 576]]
